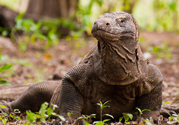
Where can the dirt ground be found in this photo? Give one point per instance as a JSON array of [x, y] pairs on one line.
[[36, 64]]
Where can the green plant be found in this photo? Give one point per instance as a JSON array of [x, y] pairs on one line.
[[4, 31], [30, 29], [165, 103], [169, 8], [162, 51], [87, 118], [44, 113], [2, 68], [14, 117], [126, 117], [102, 106], [147, 121], [140, 111], [4, 117], [174, 117]]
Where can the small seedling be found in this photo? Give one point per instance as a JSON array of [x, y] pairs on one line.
[[2, 68], [147, 121], [174, 117], [4, 117], [126, 117], [102, 106], [141, 111], [44, 113], [87, 118]]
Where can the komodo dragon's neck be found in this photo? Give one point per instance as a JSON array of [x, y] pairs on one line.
[[122, 61]]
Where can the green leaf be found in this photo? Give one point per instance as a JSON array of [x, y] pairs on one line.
[[126, 117], [17, 111], [109, 115], [175, 115], [5, 67], [86, 123], [130, 116], [98, 123], [4, 82], [120, 119], [128, 123], [18, 17], [43, 108], [17, 117], [49, 111], [82, 117], [104, 106], [100, 103], [61, 117], [145, 110], [42, 120], [106, 102], [147, 121], [170, 118], [2, 106], [92, 116], [31, 117], [54, 106], [166, 103], [5, 114], [139, 110], [69, 114], [12, 116], [106, 120]]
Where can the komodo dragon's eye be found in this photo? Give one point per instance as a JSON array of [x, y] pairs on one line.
[[121, 20]]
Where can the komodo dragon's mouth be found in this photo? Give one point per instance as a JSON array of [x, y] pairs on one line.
[[99, 33]]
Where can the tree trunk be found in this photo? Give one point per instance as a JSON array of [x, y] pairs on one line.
[[51, 8], [7, 17]]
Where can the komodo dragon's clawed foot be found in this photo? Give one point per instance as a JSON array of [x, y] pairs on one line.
[[167, 111], [5, 107]]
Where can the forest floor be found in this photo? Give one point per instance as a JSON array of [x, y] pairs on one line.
[[38, 64]]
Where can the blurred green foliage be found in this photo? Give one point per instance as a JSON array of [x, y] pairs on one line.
[[47, 31], [160, 15], [162, 51], [2, 68], [84, 13], [153, 15], [166, 17]]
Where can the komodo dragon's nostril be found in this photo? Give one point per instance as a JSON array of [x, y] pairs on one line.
[[107, 24]]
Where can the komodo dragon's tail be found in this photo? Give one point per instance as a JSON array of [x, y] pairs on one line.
[[31, 97], [12, 93]]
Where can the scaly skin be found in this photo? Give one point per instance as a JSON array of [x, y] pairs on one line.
[[115, 70]]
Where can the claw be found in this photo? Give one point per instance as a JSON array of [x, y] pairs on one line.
[[160, 120], [151, 119]]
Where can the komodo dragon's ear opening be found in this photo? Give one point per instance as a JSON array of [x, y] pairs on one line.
[[137, 28]]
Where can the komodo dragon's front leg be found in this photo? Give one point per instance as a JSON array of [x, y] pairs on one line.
[[33, 97], [152, 100], [68, 99]]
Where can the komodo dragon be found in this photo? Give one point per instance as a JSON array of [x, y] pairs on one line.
[[114, 70]]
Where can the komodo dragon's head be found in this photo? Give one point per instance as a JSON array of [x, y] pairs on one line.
[[115, 26]]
